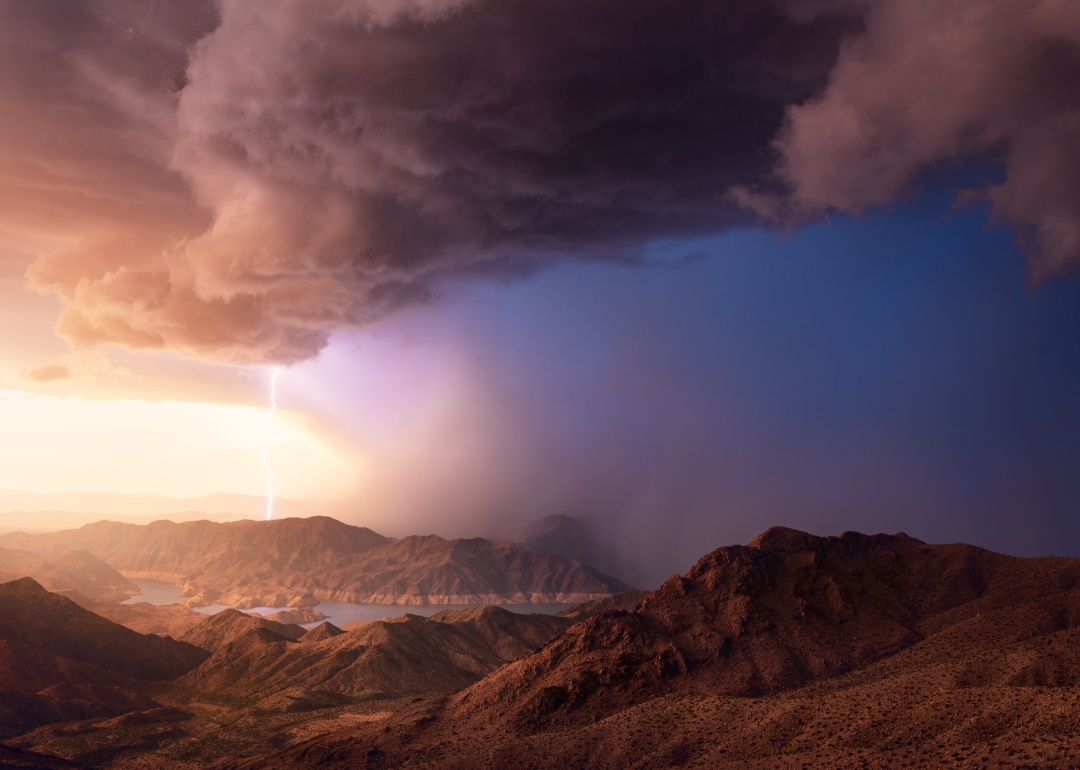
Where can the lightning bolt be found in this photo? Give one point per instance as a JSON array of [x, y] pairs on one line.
[[266, 439]]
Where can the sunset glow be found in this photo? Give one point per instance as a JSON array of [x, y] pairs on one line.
[[170, 448]]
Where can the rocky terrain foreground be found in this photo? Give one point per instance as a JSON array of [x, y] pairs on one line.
[[794, 651], [791, 652], [297, 562], [236, 683]]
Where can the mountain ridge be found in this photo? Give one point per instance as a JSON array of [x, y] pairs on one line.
[[747, 628], [67, 569], [298, 562]]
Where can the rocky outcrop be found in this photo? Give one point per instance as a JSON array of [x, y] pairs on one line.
[[211, 560], [786, 609], [430, 570]]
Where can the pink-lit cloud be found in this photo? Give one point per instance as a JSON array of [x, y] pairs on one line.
[[929, 84], [235, 181], [327, 163]]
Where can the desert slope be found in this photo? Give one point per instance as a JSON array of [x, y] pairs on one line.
[[297, 562], [261, 691], [404, 657], [225, 555], [60, 662], [792, 651], [624, 601], [223, 628], [173, 620], [430, 570], [787, 609], [70, 570], [32, 616]]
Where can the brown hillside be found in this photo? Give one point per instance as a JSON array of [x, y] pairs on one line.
[[39, 688], [430, 570], [59, 662], [224, 555], [508, 634], [173, 620], [321, 632], [784, 610], [296, 562], [793, 651], [13, 758], [224, 627], [32, 616], [407, 656], [295, 616], [67, 570]]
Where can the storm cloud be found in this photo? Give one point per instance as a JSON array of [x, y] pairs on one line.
[[931, 83], [253, 176]]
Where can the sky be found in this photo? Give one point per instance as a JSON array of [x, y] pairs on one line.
[[689, 269]]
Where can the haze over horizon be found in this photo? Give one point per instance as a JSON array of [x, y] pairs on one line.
[[689, 272]]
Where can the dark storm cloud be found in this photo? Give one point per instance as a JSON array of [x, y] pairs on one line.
[[350, 152], [257, 174]]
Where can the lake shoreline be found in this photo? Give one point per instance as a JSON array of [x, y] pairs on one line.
[[161, 593]]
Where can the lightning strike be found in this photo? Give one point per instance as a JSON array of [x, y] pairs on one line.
[[266, 439]]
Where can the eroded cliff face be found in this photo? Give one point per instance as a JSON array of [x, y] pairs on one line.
[[298, 562]]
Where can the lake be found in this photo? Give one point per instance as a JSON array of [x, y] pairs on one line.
[[339, 613]]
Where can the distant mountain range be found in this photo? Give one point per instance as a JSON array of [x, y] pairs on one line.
[[297, 562], [69, 570], [34, 512]]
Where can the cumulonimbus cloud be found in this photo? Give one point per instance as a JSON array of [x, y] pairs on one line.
[[339, 157], [931, 83], [345, 154]]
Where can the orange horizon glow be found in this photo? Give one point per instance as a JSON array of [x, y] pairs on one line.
[[172, 448]]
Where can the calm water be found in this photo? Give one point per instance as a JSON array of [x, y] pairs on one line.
[[339, 613], [160, 592]]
